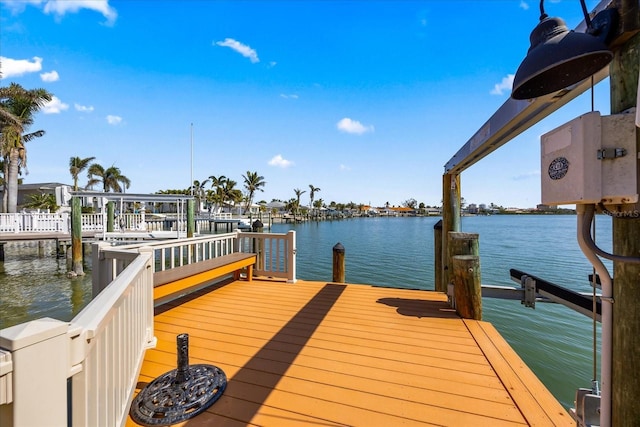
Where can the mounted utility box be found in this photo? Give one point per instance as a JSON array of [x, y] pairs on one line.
[[590, 159], [619, 159]]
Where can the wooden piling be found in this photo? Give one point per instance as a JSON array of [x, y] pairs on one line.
[[111, 215], [625, 407], [450, 218], [191, 222], [59, 249], [2, 251], [76, 237], [258, 227], [467, 286], [462, 244], [437, 237], [338, 263], [459, 243]]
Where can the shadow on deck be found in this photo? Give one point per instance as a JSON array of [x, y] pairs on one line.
[[315, 353]]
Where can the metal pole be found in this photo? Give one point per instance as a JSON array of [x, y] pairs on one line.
[[191, 184]]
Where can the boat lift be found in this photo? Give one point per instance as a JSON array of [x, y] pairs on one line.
[[534, 289]]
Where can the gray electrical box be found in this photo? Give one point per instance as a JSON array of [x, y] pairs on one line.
[[590, 159]]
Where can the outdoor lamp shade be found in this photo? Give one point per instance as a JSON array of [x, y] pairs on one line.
[[557, 59]]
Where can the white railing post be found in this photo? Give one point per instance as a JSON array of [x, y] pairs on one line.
[[6, 380], [291, 257], [66, 223], [101, 268], [40, 357], [108, 340]]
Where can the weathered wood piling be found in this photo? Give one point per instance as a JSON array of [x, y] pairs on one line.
[[76, 237], [338, 263], [463, 257]]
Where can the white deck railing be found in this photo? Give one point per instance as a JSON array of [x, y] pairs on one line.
[[35, 222], [276, 253], [61, 222], [100, 351], [92, 363]]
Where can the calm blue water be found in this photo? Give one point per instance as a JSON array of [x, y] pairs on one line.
[[553, 340]]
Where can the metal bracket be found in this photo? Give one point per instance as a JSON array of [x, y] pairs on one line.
[[529, 286], [587, 407], [611, 153]]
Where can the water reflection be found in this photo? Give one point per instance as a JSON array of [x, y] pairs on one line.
[[34, 284]]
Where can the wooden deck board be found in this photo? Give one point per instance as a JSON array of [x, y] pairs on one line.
[[314, 353]]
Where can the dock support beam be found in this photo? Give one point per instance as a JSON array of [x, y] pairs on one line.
[[625, 409], [76, 237], [111, 215], [450, 220], [191, 222], [439, 284]]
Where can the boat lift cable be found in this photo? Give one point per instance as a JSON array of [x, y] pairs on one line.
[[594, 378]]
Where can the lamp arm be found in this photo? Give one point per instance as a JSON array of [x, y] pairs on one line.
[[585, 12], [543, 14]]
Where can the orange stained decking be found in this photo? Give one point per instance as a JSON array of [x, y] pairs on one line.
[[327, 354]]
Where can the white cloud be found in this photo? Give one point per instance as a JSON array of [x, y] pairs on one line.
[[348, 125], [524, 5], [61, 7], [242, 49], [17, 67], [83, 108], [505, 85], [55, 106], [285, 96], [51, 76], [114, 120], [344, 168], [280, 162]]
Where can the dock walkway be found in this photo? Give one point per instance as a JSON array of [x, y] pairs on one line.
[[317, 353]]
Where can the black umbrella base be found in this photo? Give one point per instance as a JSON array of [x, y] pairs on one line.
[[180, 394]]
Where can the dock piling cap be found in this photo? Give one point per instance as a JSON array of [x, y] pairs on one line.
[[338, 248]]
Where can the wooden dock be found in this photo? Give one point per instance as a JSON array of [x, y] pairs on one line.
[[317, 353]]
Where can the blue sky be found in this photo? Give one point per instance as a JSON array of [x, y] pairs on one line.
[[366, 100]]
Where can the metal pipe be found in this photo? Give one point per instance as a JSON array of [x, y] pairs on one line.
[[585, 217]]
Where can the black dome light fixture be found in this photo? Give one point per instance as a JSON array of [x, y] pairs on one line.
[[559, 58]]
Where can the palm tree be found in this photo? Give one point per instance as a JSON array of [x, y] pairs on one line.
[[229, 193], [299, 193], [318, 205], [110, 178], [42, 201], [217, 182], [252, 183], [18, 107], [312, 192], [76, 166], [199, 191], [212, 199]]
